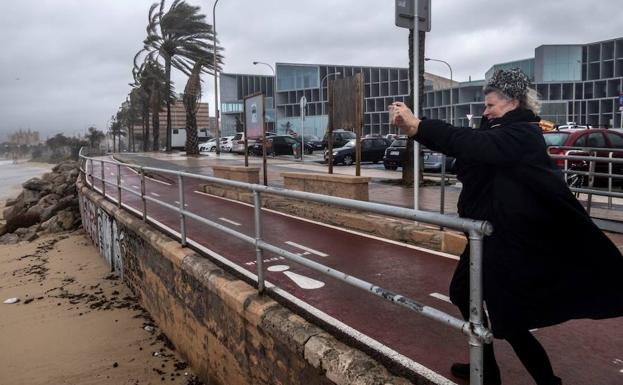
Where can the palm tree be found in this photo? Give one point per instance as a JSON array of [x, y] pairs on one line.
[[181, 37], [150, 78], [94, 137], [192, 94]]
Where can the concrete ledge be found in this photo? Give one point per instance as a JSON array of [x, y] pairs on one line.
[[226, 331], [238, 173], [343, 186]]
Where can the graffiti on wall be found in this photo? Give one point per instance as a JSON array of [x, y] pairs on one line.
[[104, 231]]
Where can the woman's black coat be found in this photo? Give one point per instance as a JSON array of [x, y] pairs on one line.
[[546, 261]]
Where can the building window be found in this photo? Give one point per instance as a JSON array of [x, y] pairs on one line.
[[296, 77]]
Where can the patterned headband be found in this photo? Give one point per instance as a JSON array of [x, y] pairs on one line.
[[512, 83]]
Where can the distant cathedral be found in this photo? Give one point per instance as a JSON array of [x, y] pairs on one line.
[[25, 137]]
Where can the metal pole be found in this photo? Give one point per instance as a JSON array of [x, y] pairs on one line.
[[180, 180], [103, 179], [143, 195], [443, 156], [610, 180], [416, 104], [475, 306], [216, 109], [92, 180], [591, 182], [303, 104], [274, 89], [118, 185], [257, 211]]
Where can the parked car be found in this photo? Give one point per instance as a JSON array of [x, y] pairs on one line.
[[276, 145], [227, 143], [395, 155], [587, 138], [312, 143], [208, 146], [340, 138], [433, 161], [238, 142], [372, 150]]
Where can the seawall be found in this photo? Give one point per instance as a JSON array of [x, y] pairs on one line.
[[227, 332]]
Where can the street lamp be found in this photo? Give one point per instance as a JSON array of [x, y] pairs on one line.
[[322, 93], [274, 90], [443, 156], [216, 111], [451, 87]]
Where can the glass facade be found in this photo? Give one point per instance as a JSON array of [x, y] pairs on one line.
[[297, 77], [526, 66], [558, 63]]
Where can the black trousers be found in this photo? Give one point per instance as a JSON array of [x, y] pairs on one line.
[[528, 349]]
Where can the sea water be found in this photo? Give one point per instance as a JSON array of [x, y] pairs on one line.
[[13, 175]]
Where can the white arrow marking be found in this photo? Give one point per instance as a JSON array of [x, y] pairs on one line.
[[136, 187], [320, 253], [302, 281]]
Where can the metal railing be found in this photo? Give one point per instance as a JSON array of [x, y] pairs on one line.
[[474, 328], [589, 156]]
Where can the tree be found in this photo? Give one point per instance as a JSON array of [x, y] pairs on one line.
[[94, 137], [407, 169], [192, 94], [181, 37], [150, 78]]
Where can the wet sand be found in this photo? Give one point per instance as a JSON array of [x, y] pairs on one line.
[[75, 322]]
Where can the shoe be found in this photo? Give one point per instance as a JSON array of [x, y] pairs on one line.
[[491, 377]]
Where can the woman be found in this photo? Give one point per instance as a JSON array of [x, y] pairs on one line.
[[546, 261]]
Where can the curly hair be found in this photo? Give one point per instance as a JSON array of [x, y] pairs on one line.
[[529, 100]]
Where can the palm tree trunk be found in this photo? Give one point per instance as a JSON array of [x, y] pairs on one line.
[[146, 130], [167, 68]]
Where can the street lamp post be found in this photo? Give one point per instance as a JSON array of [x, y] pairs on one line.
[[443, 156], [216, 109], [274, 90]]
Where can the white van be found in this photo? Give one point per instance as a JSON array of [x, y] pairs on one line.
[[178, 137]]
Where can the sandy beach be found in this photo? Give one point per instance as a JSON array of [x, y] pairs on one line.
[[74, 322]]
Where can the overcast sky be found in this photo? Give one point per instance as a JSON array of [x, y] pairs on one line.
[[66, 64]]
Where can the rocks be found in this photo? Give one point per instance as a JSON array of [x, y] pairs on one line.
[[49, 204]]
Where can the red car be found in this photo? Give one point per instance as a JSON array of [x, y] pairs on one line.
[[592, 138]]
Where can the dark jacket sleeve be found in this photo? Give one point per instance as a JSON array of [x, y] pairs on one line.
[[497, 145]]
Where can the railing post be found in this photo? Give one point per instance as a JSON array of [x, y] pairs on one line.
[[180, 180], [92, 180], [257, 211], [103, 178], [118, 185], [476, 348], [591, 182], [442, 187], [143, 195], [610, 179]]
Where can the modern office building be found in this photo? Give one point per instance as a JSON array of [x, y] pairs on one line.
[[579, 83], [382, 86]]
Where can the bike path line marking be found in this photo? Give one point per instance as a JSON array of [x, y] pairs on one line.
[[319, 253], [134, 186], [441, 297], [146, 177], [155, 194], [429, 251], [230, 221]]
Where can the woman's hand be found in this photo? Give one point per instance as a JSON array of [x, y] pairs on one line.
[[402, 117]]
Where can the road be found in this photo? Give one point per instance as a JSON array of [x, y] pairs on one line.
[[582, 351]]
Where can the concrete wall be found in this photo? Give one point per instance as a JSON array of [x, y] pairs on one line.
[[223, 328]]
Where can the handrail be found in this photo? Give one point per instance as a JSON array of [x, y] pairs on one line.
[[474, 328]]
